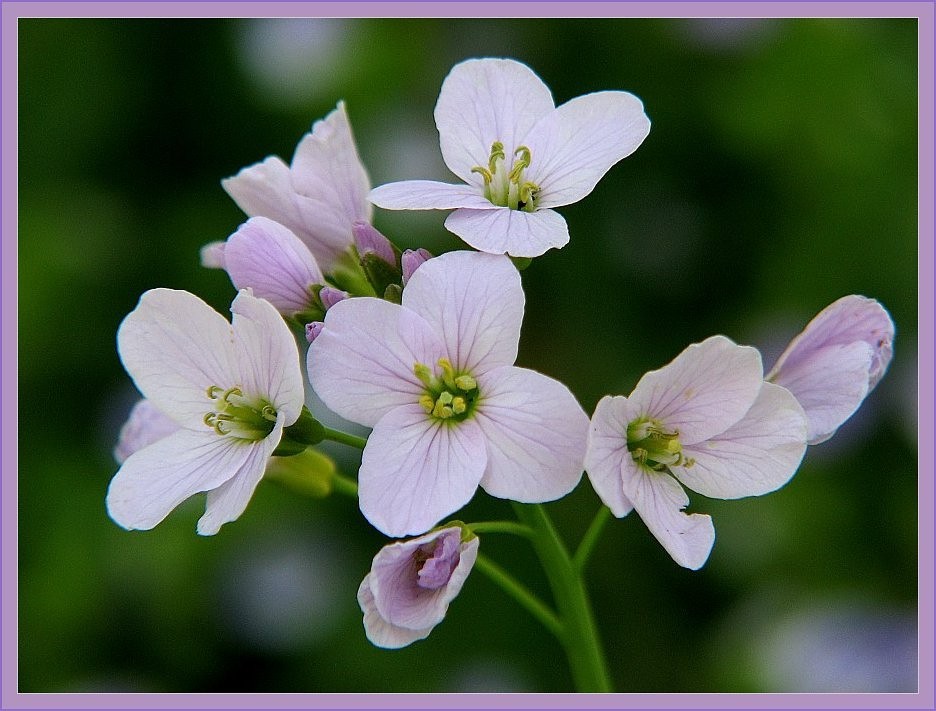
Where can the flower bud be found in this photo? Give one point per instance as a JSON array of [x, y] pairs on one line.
[[411, 260], [370, 240]]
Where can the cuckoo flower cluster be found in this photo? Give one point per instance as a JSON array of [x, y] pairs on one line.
[[422, 350]]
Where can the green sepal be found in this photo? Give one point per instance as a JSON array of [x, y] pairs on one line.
[[394, 294], [380, 273], [348, 274], [310, 473], [521, 263], [305, 431]]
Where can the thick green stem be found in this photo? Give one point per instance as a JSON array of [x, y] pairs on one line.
[[519, 593], [517, 529], [582, 646], [591, 537], [345, 438]]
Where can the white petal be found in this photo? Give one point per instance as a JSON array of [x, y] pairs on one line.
[[267, 356], [428, 195], [361, 364], [475, 303], [212, 255], [575, 145], [156, 479], [703, 391], [380, 632], [268, 258], [607, 449], [506, 231], [660, 500], [227, 502], [264, 189], [758, 454], [415, 470], [145, 424], [830, 385], [536, 435], [487, 100], [175, 346]]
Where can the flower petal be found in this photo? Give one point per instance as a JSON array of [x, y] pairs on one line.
[[361, 364], [487, 100], [575, 145], [607, 449], [380, 632], [536, 435], [267, 356], [756, 455], [428, 195], [416, 470], [659, 499], [212, 255], [703, 391], [145, 424], [475, 302], [265, 190], [175, 346], [156, 479], [268, 258], [506, 231]]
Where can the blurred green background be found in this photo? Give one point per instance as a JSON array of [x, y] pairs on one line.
[[779, 175]]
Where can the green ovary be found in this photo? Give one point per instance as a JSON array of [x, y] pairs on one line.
[[505, 186], [450, 397], [236, 416], [655, 447]]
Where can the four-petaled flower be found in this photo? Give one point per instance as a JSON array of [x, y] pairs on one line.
[[435, 379], [836, 361], [411, 583], [231, 387], [707, 420], [519, 155]]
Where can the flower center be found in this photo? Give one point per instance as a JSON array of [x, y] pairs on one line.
[[236, 416], [451, 396], [506, 186], [653, 446], [436, 560]]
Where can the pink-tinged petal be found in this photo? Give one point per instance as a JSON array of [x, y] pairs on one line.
[[756, 455], [483, 101], [175, 346], [268, 258], [267, 356], [506, 231], [416, 470], [265, 190], [212, 255], [145, 424], [830, 386], [607, 451], [536, 434], [703, 391], [156, 479], [428, 195], [227, 502], [660, 500], [361, 364], [475, 303], [575, 145], [380, 632]]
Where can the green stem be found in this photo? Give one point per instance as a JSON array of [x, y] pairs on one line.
[[582, 647], [591, 537], [517, 529], [344, 485], [516, 590], [344, 438]]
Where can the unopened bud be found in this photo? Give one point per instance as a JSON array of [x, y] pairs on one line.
[[370, 240], [411, 261], [313, 330], [331, 296]]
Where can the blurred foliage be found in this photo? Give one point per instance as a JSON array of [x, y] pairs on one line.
[[780, 174]]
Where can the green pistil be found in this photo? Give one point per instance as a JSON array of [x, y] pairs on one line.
[[238, 417], [451, 396], [653, 446], [507, 187]]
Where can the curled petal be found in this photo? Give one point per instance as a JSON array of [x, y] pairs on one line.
[[380, 632], [607, 450]]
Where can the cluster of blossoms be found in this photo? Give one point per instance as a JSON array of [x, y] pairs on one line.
[[422, 349]]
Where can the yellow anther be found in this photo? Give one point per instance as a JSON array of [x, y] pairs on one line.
[[528, 192], [448, 373], [442, 411], [219, 429], [497, 153], [427, 403], [213, 391], [525, 156], [232, 392], [445, 397], [485, 173], [268, 413], [459, 405], [465, 383], [424, 374], [209, 419]]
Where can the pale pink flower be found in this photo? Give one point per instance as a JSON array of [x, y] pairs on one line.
[[145, 424]]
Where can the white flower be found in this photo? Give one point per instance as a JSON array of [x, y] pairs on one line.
[[435, 379], [707, 420], [231, 388], [519, 155]]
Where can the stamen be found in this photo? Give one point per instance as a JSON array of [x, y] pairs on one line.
[[497, 152], [209, 419], [213, 391], [466, 383], [219, 429], [427, 403], [445, 397], [448, 373], [485, 173], [232, 392], [268, 413], [459, 405], [424, 374]]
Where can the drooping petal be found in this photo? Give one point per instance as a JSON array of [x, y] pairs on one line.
[[361, 364], [506, 231], [416, 470], [156, 479], [268, 258], [487, 100], [145, 424], [475, 302], [575, 145], [830, 385], [227, 502], [212, 255], [536, 435], [607, 449], [703, 391], [660, 500], [428, 195], [267, 356], [380, 632], [756, 455], [175, 346]]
